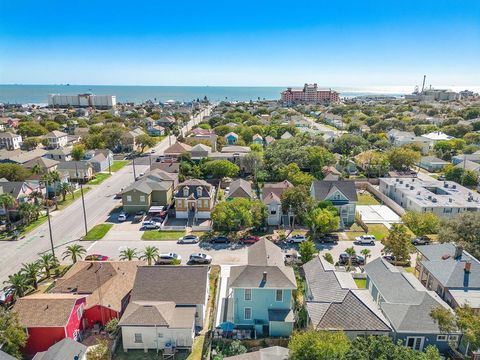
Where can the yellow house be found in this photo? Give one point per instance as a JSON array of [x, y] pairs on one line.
[[194, 199]]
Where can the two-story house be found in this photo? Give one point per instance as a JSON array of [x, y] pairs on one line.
[[194, 199], [271, 197], [451, 272], [231, 138], [260, 293], [10, 141], [342, 194], [56, 139]]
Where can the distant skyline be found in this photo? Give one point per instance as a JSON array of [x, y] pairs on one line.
[[358, 44]]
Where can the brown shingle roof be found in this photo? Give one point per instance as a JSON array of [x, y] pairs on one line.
[[178, 148], [158, 313]]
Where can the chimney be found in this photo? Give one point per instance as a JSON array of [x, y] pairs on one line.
[[458, 252], [264, 279], [468, 266]]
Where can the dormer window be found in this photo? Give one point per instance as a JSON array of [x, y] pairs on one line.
[[199, 191], [185, 191]]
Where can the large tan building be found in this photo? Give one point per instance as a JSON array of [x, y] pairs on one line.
[[194, 199]]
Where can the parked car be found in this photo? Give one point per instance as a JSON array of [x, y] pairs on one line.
[[329, 238], [150, 224], [421, 240], [139, 216], [123, 216], [119, 194], [357, 260], [365, 240], [188, 239], [250, 239], [389, 258], [200, 258], [7, 296], [152, 151], [168, 259], [292, 257], [96, 257], [296, 238], [220, 239]]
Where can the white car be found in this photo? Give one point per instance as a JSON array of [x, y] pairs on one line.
[[122, 217], [188, 239], [168, 259], [148, 224], [141, 174], [296, 238], [152, 151], [365, 240], [200, 258]]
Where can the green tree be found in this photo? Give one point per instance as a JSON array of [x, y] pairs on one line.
[[19, 283], [307, 251], [318, 345], [128, 254], [31, 272], [221, 168], [297, 200], [351, 254], [349, 143], [65, 188], [366, 253], [318, 157], [144, 141], [7, 201], [30, 143], [397, 243], [322, 221], [237, 214], [28, 129], [101, 351], [12, 335], [78, 152], [293, 174], [13, 172], [75, 252], [150, 254], [462, 229], [402, 158], [47, 262], [421, 223], [329, 258]]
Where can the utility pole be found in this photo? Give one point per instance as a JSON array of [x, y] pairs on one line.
[[83, 199], [134, 175], [109, 169], [50, 229]]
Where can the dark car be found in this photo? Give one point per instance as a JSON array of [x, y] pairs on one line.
[[220, 240], [389, 258], [7, 296], [421, 240], [357, 260], [139, 216], [250, 239], [329, 238]]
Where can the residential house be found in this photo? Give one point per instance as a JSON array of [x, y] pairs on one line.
[[156, 130], [154, 189], [451, 272], [102, 160], [332, 297], [231, 138], [475, 157], [42, 163], [167, 166], [286, 135], [260, 293], [66, 349], [64, 154], [56, 139], [174, 151], [469, 165], [269, 139], [167, 304], [78, 171], [131, 139], [271, 197], [20, 190], [10, 141], [435, 137], [166, 121], [399, 138], [200, 151], [240, 189], [407, 305], [257, 139], [207, 135], [432, 163], [106, 285], [49, 318], [269, 353], [194, 199], [334, 120], [341, 193], [20, 157]]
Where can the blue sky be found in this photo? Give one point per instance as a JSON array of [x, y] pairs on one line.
[[334, 43]]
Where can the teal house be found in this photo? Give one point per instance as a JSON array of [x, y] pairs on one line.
[[260, 293], [231, 138]]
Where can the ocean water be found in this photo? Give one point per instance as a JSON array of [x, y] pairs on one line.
[[38, 94]]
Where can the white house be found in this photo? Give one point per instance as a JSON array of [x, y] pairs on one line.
[[56, 139], [271, 197], [10, 141]]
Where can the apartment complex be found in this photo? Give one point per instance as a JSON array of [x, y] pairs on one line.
[[310, 94], [443, 198], [83, 100]]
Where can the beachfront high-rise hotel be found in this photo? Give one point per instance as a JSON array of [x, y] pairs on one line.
[[310, 94]]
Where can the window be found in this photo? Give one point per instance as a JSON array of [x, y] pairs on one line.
[[129, 198], [160, 335], [273, 212], [415, 343], [453, 338], [441, 337], [248, 294], [247, 313], [138, 339], [80, 312], [279, 295], [142, 198]]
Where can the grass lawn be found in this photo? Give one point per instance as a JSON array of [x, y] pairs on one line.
[[118, 164], [366, 199], [97, 232], [33, 225], [99, 178], [361, 283], [69, 198], [162, 235], [379, 230]]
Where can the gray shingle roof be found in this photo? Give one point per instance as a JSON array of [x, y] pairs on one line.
[[270, 353], [65, 349], [323, 188], [240, 188]]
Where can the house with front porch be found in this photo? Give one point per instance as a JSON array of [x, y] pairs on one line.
[[194, 199], [341, 193], [271, 197], [56, 139], [260, 293]]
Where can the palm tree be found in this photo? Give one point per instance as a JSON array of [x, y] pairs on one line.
[[74, 252], [55, 179], [47, 262], [65, 188], [45, 179], [37, 196], [128, 254], [19, 283], [366, 254], [7, 201], [150, 254], [28, 212], [351, 253], [37, 169], [31, 272]]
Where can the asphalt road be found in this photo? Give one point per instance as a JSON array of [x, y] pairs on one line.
[[68, 224]]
